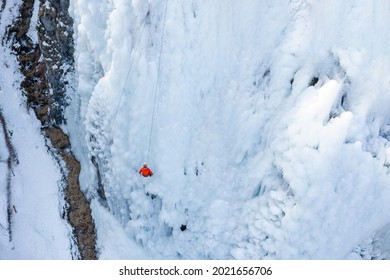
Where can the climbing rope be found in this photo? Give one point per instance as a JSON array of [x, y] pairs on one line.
[[127, 76], [157, 81]]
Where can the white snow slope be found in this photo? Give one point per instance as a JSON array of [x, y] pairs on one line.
[[35, 229], [270, 137]]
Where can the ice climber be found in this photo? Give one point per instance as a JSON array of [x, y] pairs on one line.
[[145, 171]]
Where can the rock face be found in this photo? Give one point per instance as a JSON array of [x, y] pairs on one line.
[[56, 44], [48, 68]]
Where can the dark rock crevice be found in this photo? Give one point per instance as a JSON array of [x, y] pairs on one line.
[[47, 67], [3, 3]]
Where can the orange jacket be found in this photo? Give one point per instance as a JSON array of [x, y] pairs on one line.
[[145, 171]]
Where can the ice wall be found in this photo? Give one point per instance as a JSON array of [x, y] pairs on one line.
[[270, 128]]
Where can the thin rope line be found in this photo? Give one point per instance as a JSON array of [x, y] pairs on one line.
[[157, 80], [127, 76]]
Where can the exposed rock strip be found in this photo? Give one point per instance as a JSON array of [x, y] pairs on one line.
[[11, 161], [79, 212], [47, 67]]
